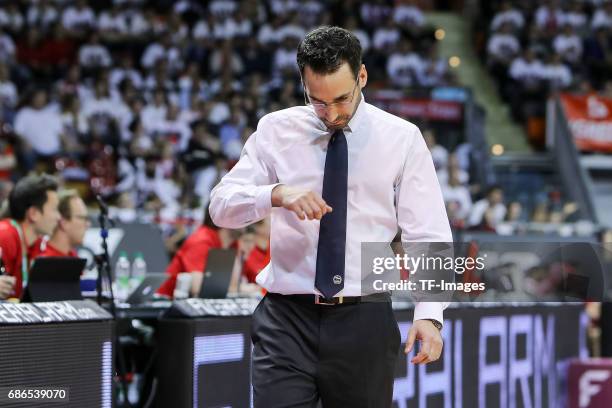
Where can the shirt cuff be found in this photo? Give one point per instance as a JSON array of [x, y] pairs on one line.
[[429, 310], [263, 200]]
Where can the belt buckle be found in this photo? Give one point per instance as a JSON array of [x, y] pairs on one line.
[[319, 302]]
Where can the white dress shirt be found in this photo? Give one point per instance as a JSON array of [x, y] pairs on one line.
[[391, 183]]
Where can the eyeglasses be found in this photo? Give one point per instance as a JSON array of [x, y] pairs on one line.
[[323, 105], [81, 217]]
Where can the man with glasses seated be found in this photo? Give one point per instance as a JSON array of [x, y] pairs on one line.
[[70, 230]]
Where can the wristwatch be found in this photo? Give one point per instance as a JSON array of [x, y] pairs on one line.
[[436, 323]]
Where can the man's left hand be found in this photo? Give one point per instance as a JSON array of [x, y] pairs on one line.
[[431, 342]]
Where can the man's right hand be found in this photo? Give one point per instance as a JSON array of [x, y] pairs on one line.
[[304, 203], [7, 283]]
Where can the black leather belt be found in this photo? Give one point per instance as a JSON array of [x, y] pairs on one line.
[[339, 300]]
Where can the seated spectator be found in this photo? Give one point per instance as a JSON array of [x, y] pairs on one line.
[[489, 211], [39, 128], [112, 24], [558, 75], [238, 26], [191, 256], [435, 68], [602, 18], [569, 45], [42, 14], [33, 213], [527, 70], [93, 54], [454, 165], [103, 114], [11, 18], [508, 15], [225, 58], [439, 154], [155, 110], [230, 132], [408, 16], [405, 66], [375, 13], [172, 129], [70, 230], [203, 160], [284, 59], [125, 70], [268, 34], [293, 31], [75, 126], [515, 212], [79, 18], [576, 17], [502, 48], [162, 50], [528, 85], [386, 36], [549, 17], [456, 191]]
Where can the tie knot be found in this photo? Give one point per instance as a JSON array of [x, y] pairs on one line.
[[335, 135]]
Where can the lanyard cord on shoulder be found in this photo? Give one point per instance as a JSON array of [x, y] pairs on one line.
[[24, 254]]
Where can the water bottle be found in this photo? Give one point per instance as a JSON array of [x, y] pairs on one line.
[[139, 270], [122, 277]]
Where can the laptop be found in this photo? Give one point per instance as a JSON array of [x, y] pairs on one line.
[[53, 279], [145, 292], [218, 273]]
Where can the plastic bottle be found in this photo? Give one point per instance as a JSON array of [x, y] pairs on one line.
[[139, 270], [122, 277]]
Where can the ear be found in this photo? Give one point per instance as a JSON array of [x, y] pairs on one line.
[[363, 76], [32, 214], [61, 224]]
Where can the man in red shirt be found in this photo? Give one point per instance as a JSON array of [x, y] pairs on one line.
[[256, 253], [191, 256], [33, 213], [70, 230]]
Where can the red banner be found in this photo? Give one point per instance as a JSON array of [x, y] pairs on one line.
[[590, 121], [445, 111]]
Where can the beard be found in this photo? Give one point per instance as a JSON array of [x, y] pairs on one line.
[[342, 120], [338, 124]]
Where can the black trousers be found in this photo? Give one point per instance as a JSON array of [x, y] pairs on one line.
[[341, 355]]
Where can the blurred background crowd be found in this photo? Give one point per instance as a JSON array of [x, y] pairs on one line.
[[149, 102]]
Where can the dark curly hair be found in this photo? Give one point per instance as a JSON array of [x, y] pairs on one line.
[[326, 48]]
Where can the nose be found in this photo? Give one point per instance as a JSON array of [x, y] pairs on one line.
[[330, 114]]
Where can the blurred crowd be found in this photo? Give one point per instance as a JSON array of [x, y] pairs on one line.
[[534, 48], [472, 206], [148, 103]]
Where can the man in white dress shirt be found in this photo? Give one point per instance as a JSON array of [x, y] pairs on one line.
[[332, 174]]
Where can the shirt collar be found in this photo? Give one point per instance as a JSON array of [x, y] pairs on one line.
[[358, 117]]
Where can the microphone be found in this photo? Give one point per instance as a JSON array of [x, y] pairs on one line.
[[102, 204]]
